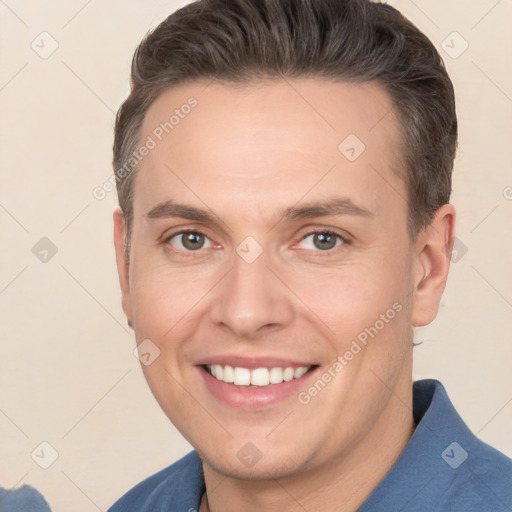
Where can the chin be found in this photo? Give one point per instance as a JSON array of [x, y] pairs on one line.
[[260, 467]]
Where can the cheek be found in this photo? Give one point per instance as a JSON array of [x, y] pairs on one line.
[[353, 296], [164, 301], [162, 295]]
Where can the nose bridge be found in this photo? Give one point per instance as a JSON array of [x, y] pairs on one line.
[[251, 297]]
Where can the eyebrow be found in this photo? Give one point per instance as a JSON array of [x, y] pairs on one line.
[[330, 207]]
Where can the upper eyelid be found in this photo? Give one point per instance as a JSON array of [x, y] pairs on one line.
[[166, 237], [322, 230], [170, 233], [308, 233], [345, 239]]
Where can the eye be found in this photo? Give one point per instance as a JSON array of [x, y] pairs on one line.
[[189, 240], [322, 240]]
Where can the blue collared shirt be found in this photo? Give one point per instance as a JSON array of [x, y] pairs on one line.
[[25, 498], [444, 467]]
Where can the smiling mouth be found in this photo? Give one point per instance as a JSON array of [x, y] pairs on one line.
[[256, 377]]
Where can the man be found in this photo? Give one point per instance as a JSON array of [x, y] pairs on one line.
[[284, 174]]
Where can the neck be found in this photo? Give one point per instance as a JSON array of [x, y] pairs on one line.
[[342, 482]]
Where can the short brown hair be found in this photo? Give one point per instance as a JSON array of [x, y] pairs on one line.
[[244, 41]]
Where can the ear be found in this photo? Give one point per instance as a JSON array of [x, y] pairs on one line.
[[432, 250], [122, 263]]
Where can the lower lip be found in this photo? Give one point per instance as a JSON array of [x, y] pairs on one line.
[[257, 397]]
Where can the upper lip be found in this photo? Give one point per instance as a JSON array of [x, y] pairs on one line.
[[252, 362]]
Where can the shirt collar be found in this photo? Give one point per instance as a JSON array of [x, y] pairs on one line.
[[425, 468]]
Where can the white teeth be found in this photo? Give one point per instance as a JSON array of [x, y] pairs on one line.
[[257, 377], [229, 374], [260, 377], [242, 377], [288, 374], [276, 375], [218, 371], [299, 372]]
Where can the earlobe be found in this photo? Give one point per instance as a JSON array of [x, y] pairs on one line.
[[433, 251], [122, 262]]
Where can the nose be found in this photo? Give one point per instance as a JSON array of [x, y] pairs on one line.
[[251, 299]]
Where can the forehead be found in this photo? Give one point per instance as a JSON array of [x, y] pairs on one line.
[[280, 140]]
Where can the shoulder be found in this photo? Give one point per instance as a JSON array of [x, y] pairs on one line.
[[444, 467], [483, 481], [470, 474], [24, 498], [178, 487]]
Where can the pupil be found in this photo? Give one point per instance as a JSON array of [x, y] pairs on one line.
[[324, 241], [193, 241]]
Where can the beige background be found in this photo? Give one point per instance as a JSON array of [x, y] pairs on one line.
[[67, 372]]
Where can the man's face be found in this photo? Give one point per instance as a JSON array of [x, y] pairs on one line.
[[251, 286]]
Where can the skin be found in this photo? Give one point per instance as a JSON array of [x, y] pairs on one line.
[[244, 154]]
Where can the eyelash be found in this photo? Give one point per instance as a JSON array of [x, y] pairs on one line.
[[344, 240], [334, 250]]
